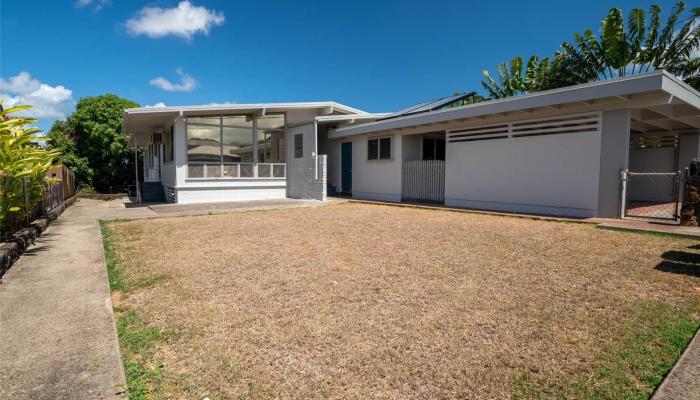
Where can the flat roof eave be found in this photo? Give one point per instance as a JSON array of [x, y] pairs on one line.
[[222, 108], [655, 81]]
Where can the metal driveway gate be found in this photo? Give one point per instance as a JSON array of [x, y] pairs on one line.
[[423, 180], [650, 195]]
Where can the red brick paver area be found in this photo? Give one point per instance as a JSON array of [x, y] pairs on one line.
[[651, 210]]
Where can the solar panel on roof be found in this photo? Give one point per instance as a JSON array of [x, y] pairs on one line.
[[429, 105]]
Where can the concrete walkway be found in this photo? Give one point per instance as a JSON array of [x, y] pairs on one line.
[[57, 332], [171, 210], [633, 225]]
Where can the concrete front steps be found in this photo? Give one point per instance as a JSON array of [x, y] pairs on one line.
[[152, 192]]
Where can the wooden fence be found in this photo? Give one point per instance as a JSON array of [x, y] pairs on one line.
[[424, 181]]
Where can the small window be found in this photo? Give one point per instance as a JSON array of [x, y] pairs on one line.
[[379, 149], [299, 146], [433, 149], [385, 148]]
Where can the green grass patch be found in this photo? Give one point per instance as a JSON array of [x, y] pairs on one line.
[[114, 270], [632, 366], [137, 340]]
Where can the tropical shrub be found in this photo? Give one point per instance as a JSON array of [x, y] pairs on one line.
[[23, 168]]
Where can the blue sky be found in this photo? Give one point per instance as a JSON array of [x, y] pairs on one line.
[[374, 55]]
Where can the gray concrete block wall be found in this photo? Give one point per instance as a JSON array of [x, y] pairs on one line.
[[304, 181]]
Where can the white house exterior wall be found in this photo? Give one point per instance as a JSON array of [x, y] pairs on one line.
[[234, 191], [334, 163], [377, 179], [550, 174]]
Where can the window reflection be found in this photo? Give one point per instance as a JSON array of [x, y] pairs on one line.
[[227, 145]]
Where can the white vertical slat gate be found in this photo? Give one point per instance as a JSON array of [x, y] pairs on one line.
[[424, 180]]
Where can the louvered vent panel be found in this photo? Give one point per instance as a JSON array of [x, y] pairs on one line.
[[584, 123]]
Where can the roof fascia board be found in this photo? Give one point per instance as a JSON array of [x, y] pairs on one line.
[[240, 107], [331, 118], [681, 90]]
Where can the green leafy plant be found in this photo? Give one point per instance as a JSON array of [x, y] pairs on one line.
[[641, 45], [23, 168], [92, 143]]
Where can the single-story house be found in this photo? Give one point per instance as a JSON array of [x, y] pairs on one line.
[[557, 152]]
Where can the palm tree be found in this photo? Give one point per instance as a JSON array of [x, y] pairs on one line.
[[643, 45]]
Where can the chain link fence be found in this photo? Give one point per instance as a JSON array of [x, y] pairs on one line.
[[650, 195]]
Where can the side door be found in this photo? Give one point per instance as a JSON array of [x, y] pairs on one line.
[[346, 167]]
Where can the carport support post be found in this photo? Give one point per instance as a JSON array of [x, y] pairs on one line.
[[614, 157], [136, 173], [623, 201]]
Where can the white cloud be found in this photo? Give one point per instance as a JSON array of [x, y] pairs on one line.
[[185, 84], [97, 5], [159, 104], [47, 101], [184, 21]]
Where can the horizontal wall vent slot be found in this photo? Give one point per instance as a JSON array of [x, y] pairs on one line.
[[561, 126], [552, 133], [478, 138], [585, 123], [482, 129], [463, 135]]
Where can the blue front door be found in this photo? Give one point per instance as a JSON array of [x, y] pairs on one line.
[[346, 167]]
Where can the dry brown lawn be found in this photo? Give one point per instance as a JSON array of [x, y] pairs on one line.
[[364, 301]]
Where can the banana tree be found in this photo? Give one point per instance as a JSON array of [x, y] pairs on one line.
[[23, 167], [514, 78], [643, 44]]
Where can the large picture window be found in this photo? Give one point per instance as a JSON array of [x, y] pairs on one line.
[[233, 146], [270, 138], [379, 148]]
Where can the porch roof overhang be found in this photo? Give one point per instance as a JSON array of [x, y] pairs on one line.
[[350, 118], [138, 123], [658, 102]]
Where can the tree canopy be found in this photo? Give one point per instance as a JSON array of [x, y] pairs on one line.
[[640, 45], [92, 144]]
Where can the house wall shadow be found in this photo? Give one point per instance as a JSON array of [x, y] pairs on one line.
[[680, 262]]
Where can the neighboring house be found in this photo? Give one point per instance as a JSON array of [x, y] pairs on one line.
[[557, 152]]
